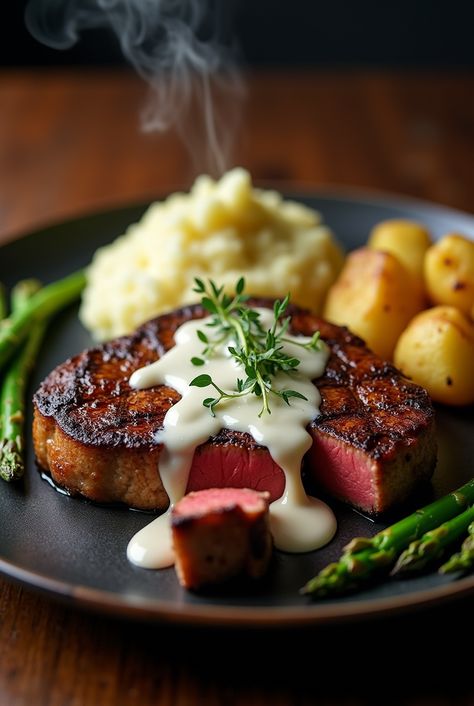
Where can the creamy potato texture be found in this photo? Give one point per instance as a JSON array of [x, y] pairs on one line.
[[221, 230]]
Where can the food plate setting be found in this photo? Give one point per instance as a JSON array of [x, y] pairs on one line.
[[76, 550]]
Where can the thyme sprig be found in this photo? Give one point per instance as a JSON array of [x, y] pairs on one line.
[[259, 352]]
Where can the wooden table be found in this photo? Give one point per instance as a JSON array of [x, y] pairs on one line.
[[69, 143]]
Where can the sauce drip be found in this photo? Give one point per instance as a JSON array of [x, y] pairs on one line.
[[299, 523]]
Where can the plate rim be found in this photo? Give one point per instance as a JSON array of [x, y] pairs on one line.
[[290, 189], [314, 613]]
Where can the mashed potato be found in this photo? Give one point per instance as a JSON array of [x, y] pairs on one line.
[[220, 230]]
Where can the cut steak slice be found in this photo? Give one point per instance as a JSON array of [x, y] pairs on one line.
[[374, 440], [220, 534]]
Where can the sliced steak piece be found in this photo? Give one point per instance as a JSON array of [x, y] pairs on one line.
[[220, 534], [375, 438], [373, 442]]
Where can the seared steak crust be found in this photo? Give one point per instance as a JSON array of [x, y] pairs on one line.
[[95, 434]]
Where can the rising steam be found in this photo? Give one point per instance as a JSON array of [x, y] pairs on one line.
[[180, 47]]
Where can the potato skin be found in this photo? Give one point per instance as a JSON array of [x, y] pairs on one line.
[[449, 272], [436, 350], [407, 240], [375, 297]]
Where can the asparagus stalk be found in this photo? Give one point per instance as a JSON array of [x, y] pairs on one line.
[[432, 544], [12, 393], [44, 303], [3, 313], [3, 303], [365, 558], [22, 292], [464, 559]]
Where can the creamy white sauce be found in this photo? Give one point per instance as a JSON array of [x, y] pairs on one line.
[[299, 523]]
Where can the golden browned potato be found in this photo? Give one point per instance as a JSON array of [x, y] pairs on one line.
[[449, 272], [375, 297], [436, 350], [407, 240]]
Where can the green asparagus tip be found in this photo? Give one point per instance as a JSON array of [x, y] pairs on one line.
[[343, 576], [463, 560], [11, 461], [416, 557], [358, 544], [432, 545], [458, 564], [331, 580], [22, 291]]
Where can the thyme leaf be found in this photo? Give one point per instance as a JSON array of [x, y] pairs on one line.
[[259, 352]]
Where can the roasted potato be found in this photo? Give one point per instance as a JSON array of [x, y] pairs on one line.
[[436, 350], [449, 272], [407, 240], [375, 297]]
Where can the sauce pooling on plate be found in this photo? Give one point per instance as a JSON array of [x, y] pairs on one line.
[[298, 522]]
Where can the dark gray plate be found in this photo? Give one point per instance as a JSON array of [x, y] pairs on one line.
[[76, 550]]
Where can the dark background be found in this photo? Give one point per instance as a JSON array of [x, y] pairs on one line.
[[293, 33]]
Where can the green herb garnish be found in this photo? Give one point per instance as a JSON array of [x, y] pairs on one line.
[[259, 351]]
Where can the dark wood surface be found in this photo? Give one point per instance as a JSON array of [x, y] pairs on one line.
[[70, 143]]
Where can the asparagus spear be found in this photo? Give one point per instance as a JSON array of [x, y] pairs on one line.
[[45, 302], [3, 313], [365, 558], [3, 303], [12, 393], [432, 544], [22, 292], [464, 559]]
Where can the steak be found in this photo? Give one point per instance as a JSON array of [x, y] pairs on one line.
[[373, 442], [220, 534]]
